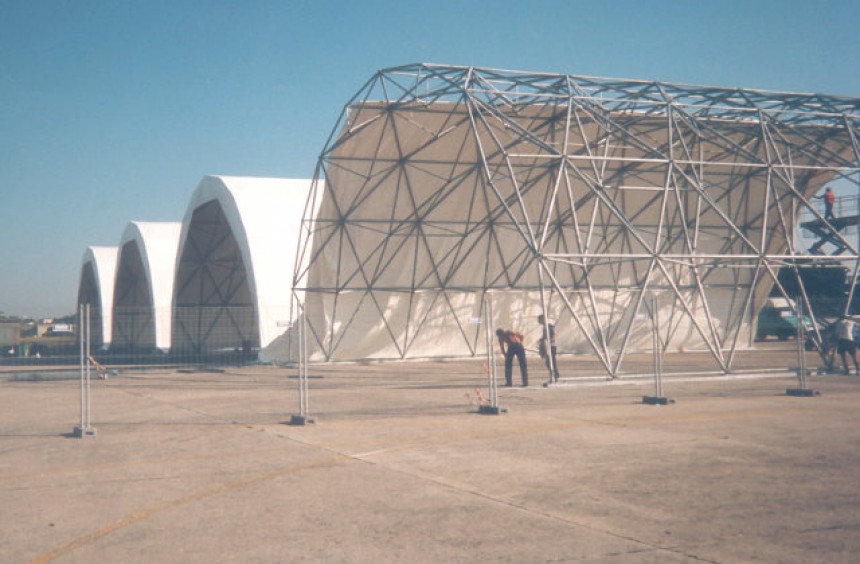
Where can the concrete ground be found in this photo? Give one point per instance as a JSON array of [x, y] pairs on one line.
[[399, 467]]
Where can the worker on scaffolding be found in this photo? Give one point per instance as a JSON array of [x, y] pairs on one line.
[[829, 199]]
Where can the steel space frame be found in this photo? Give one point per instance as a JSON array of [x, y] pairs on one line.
[[790, 143]]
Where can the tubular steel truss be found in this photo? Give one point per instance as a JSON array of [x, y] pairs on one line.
[[582, 198]]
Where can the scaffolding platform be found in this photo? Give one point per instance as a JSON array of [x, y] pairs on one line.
[[826, 233]]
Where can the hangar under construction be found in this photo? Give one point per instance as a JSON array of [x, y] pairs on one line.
[[592, 200]]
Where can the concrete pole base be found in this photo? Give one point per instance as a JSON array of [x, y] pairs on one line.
[[491, 410], [656, 400], [300, 420], [802, 392]]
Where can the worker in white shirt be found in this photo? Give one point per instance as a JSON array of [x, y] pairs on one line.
[[845, 344]]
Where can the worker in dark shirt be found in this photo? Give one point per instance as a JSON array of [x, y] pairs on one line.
[[511, 344], [548, 353]]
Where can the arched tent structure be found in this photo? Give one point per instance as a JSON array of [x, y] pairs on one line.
[[95, 288], [144, 286], [589, 199], [235, 263]]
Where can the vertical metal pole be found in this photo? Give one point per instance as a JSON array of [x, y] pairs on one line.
[[545, 328], [89, 420], [304, 378], [658, 361], [301, 364], [801, 360], [81, 336], [298, 324], [491, 356]]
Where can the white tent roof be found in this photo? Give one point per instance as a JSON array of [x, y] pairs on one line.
[[264, 216], [156, 245], [102, 261]]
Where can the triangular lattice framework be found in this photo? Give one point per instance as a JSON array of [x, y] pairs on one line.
[[579, 197], [213, 307]]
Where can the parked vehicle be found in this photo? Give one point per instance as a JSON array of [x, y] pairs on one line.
[[777, 318]]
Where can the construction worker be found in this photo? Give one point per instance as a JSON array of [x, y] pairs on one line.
[[511, 344]]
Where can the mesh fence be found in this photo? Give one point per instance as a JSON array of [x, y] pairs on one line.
[[209, 337]]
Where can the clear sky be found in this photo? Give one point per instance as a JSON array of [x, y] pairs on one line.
[[112, 111]]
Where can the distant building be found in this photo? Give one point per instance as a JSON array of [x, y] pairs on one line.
[[10, 334], [60, 330]]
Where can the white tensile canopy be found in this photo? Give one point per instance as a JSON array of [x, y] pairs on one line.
[[95, 288], [590, 200], [235, 263], [144, 286]]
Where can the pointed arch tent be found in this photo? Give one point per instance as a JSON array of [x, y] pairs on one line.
[[96, 285], [591, 200], [144, 286], [235, 263]]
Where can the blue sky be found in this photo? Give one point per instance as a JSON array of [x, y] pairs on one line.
[[112, 111]]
